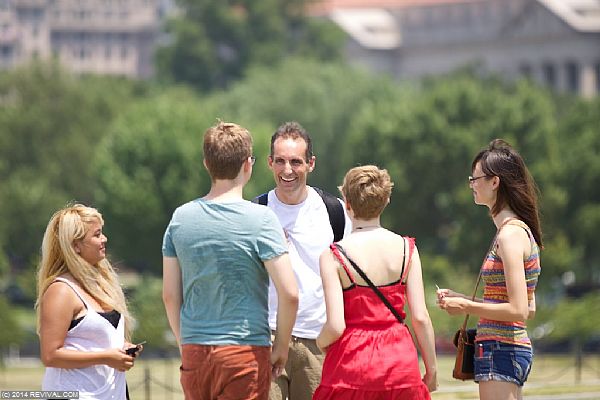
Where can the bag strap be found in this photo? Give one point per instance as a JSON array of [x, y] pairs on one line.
[[371, 285], [410, 242], [464, 325], [263, 199], [337, 255], [335, 210]]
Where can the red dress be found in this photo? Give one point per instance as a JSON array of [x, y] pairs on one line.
[[375, 358]]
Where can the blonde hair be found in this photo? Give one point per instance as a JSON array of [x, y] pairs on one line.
[[226, 147], [367, 189], [59, 257]]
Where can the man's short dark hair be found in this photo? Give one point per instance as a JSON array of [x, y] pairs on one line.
[[293, 130]]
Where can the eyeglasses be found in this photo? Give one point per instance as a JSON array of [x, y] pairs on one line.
[[474, 178], [252, 160]]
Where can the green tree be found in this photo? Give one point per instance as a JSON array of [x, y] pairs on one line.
[[427, 138], [579, 176], [147, 308], [50, 124], [577, 321], [214, 42], [323, 97], [149, 163], [11, 332]]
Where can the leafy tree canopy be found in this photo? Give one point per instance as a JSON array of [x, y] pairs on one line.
[[50, 123], [213, 43]]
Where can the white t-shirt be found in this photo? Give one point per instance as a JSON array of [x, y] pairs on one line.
[[308, 232]]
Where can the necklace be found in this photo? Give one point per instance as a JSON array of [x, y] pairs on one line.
[[359, 228]]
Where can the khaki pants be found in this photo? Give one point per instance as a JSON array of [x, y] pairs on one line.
[[302, 372]]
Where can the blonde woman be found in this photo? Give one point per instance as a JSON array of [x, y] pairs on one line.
[[82, 314]]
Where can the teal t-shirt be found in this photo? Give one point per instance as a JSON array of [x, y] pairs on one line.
[[220, 248]]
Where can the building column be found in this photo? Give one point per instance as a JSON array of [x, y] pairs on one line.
[[587, 83]]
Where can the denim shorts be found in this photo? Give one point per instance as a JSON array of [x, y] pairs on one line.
[[496, 361]]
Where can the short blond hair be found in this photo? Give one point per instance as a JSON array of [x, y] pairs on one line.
[[226, 147], [367, 189]]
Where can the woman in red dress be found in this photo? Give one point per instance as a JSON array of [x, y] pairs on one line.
[[370, 353]]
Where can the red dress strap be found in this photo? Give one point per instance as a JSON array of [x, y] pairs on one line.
[[411, 249], [339, 257]]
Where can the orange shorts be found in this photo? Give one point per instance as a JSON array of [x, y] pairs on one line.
[[228, 372]]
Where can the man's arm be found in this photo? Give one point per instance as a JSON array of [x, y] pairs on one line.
[[282, 275], [173, 294]]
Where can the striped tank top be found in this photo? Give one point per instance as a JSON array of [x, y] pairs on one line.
[[495, 291]]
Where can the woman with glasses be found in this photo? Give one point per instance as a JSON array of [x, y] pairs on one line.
[[370, 351], [503, 352]]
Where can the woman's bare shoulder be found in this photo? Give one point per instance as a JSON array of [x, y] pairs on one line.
[[62, 292]]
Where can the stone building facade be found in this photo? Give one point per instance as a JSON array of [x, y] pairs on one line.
[[555, 42], [88, 36]]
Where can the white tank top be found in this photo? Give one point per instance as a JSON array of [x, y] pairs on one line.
[[92, 333]]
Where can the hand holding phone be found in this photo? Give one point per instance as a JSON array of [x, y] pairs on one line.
[[132, 351]]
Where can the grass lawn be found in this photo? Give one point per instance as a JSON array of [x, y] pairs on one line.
[[159, 379]]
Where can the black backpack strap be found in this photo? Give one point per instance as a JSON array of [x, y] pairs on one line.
[[337, 218], [263, 199], [335, 210], [371, 285]]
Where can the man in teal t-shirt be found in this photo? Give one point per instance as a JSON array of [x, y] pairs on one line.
[[218, 254]]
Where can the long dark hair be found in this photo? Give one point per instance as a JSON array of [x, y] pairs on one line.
[[517, 188]]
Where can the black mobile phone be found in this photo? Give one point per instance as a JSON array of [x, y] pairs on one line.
[[132, 351]]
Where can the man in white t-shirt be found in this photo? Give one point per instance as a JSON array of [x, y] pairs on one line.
[[309, 218]]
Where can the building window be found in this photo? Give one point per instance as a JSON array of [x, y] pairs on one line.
[[572, 72], [123, 52], [6, 52], [549, 71], [525, 71], [56, 37]]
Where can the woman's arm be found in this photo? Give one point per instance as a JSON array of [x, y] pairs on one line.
[[58, 306], [421, 321], [334, 301], [513, 246]]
